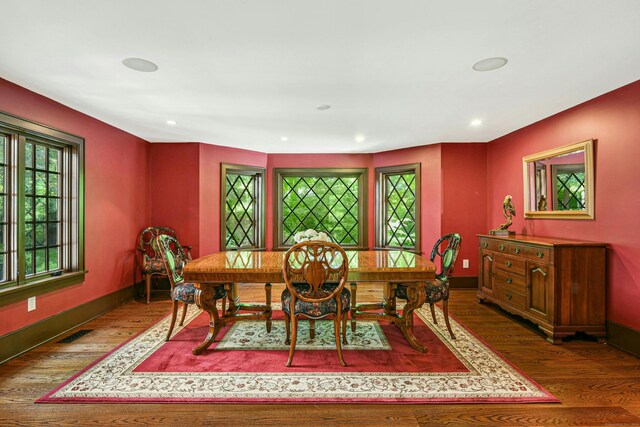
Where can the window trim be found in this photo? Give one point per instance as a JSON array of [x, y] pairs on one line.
[[19, 127], [361, 173], [260, 211], [380, 205]]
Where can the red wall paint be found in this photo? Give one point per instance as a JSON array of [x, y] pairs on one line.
[[117, 203], [175, 183], [614, 120], [464, 191]]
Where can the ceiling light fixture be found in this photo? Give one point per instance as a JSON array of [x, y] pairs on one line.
[[476, 122], [490, 64], [323, 107], [139, 64], [172, 122], [359, 138], [284, 139]]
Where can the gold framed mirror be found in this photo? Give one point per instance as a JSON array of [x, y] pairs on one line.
[[558, 183]]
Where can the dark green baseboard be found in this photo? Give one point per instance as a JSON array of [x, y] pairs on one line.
[[17, 342], [464, 282], [623, 337]]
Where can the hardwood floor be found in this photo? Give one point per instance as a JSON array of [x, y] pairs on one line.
[[597, 384]]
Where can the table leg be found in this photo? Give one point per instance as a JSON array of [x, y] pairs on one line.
[[204, 300], [417, 295], [389, 303]]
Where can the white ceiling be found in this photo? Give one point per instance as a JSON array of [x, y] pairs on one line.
[[245, 73]]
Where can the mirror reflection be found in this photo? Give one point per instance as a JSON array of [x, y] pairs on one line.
[[559, 183]]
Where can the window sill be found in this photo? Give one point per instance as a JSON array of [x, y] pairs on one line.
[[39, 287]]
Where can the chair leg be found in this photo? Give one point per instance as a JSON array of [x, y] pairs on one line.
[[184, 313], [294, 336], [147, 279], [312, 329], [445, 311], [174, 314], [336, 332], [433, 312], [287, 326], [267, 291], [354, 290], [344, 328]]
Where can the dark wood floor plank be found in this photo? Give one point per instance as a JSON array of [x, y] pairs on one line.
[[597, 384]]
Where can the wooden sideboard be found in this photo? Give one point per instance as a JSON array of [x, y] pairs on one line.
[[558, 284]]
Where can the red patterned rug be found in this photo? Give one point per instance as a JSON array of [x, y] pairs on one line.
[[247, 365]]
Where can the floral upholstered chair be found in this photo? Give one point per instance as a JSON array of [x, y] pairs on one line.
[[315, 273], [149, 260], [174, 259], [446, 248]]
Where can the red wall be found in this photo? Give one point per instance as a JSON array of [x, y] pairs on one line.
[[464, 192], [117, 203], [613, 120]]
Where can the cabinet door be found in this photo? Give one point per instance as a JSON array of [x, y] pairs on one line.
[[539, 290], [486, 278]]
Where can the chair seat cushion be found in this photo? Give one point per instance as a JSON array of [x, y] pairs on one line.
[[437, 290], [154, 266], [317, 309], [185, 292]]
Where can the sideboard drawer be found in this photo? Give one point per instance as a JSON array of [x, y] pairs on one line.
[[509, 295], [511, 264]]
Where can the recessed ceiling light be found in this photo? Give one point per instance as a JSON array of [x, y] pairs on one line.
[[359, 138], [490, 64], [476, 122], [323, 107], [284, 139], [139, 64], [171, 122]]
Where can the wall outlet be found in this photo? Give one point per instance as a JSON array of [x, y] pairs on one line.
[[465, 263], [31, 304]]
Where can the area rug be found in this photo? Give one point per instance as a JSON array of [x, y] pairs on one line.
[[247, 365]]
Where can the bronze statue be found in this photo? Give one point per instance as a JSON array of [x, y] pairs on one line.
[[508, 210], [542, 203]]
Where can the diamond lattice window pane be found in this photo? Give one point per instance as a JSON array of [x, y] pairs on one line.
[[400, 210], [321, 203], [571, 191], [240, 211]]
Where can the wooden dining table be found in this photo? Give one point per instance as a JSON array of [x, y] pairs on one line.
[[232, 269]]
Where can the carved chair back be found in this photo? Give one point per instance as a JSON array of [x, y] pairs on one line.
[[147, 237], [173, 256], [447, 249], [315, 263]]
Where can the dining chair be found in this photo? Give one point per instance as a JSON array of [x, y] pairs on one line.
[[446, 252], [149, 261], [174, 260], [315, 273]]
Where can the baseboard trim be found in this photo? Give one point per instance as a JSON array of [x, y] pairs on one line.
[[463, 282], [623, 337], [22, 340]]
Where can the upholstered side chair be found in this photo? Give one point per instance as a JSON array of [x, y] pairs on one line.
[[149, 260], [315, 274], [174, 259], [446, 252]]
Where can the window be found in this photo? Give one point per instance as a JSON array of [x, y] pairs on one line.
[[242, 207], [398, 207], [41, 209], [330, 200]]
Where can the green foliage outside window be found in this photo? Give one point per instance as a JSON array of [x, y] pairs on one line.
[[328, 204], [240, 210]]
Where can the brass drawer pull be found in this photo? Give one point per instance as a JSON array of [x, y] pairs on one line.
[[517, 250], [509, 280], [485, 245], [509, 296], [501, 247], [508, 263], [539, 254]]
